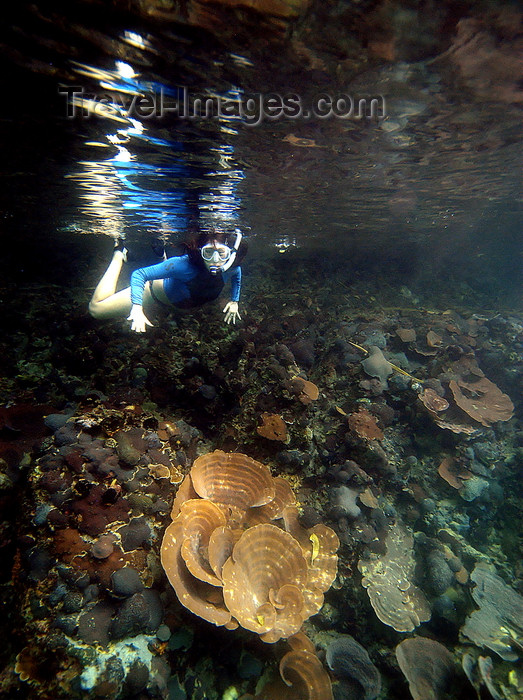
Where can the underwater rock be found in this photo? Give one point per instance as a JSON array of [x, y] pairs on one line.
[[374, 387], [438, 575], [303, 351], [103, 547], [140, 614], [284, 355], [72, 602], [207, 392], [39, 563], [66, 435], [309, 517], [93, 514], [364, 425], [136, 534], [94, 624], [181, 433], [126, 581], [54, 421], [66, 623], [116, 671], [152, 441], [294, 459], [54, 481], [139, 379], [130, 446], [375, 337], [377, 458], [473, 488], [348, 659], [343, 502], [136, 679]]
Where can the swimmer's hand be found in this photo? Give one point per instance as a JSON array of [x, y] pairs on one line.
[[231, 312], [138, 319]]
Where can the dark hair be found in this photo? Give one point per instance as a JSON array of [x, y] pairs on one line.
[[195, 243]]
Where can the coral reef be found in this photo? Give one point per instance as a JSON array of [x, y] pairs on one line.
[[88, 490]]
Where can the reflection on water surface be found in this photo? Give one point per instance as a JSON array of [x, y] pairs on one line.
[[437, 170]]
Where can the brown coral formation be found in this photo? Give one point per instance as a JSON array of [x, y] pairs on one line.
[[388, 579], [236, 554], [471, 400], [232, 479], [305, 390], [364, 425], [433, 401], [482, 400], [452, 473], [406, 335], [267, 566], [434, 340], [273, 427], [304, 673]]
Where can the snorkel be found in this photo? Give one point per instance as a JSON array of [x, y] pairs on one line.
[[234, 250]]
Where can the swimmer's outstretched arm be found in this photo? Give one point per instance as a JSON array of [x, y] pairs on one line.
[[168, 268], [231, 308]]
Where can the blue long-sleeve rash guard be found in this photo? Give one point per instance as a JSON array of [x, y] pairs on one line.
[[184, 283]]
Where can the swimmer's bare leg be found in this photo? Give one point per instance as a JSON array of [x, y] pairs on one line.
[[106, 302]]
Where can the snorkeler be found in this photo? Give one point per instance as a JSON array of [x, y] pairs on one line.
[[184, 281]]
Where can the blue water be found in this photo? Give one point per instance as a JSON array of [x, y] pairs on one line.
[[435, 184]]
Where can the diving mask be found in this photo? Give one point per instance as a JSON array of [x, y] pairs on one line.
[[220, 257]]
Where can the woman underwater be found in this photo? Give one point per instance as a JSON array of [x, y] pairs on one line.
[[184, 281]]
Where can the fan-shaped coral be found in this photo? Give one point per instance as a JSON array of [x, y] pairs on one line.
[[232, 479], [388, 580], [236, 553], [303, 671], [305, 390], [195, 595], [263, 582], [427, 665], [302, 678]]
